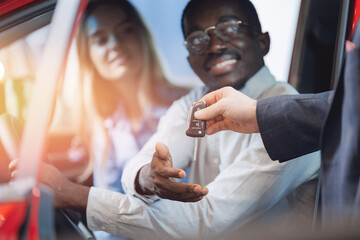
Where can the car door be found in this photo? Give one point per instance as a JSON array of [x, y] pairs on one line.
[[25, 207]]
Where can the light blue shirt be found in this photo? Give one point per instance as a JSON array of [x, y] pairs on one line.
[[124, 144]]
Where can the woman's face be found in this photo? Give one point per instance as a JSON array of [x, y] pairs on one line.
[[114, 46]]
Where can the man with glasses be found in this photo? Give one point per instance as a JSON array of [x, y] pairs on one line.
[[243, 186], [226, 48]]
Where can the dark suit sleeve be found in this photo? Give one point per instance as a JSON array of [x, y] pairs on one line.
[[290, 125]]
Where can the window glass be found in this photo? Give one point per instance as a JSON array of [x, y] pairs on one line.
[[18, 65], [19, 61]]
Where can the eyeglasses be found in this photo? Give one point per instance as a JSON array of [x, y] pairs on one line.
[[198, 41]]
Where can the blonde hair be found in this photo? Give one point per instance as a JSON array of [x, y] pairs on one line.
[[99, 97]]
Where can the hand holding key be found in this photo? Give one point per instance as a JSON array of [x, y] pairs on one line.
[[156, 178], [229, 109]]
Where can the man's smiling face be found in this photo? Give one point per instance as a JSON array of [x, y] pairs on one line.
[[225, 63]]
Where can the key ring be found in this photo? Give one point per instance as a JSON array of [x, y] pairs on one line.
[[201, 101]]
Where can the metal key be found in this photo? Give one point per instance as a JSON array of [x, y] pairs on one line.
[[196, 127], [196, 148]]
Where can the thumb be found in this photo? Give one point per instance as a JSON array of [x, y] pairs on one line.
[[163, 152], [209, 112]]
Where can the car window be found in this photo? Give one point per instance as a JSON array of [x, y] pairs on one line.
[[32, 61], [18, 62]]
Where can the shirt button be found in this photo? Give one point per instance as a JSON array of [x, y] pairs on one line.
[[216, 161]]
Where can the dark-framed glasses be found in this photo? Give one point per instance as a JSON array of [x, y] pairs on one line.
[[198, 41]]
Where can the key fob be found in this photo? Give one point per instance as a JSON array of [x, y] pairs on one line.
[[196, 127]]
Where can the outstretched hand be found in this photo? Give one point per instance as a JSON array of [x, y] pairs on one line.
[[156, 178], [66, 193], [228, 109]]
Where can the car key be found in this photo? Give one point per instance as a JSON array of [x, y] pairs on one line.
[[196, 127]]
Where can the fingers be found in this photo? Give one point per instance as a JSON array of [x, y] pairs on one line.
[[178, 187], [205, 191], [216, 127], [214, 96], [168, 172], [210, 112], [14, 173], [159, 179], [162, 163], [13, 165], [162, 151], [12, 168], [181, 191]]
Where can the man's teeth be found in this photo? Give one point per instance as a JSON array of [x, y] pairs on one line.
[[225, 63]]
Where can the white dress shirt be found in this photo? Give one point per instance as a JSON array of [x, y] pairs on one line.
[[245, 185]]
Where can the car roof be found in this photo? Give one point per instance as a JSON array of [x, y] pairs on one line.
[[19, 18]]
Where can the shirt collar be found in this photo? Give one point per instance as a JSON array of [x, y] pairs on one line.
[[258, 83]]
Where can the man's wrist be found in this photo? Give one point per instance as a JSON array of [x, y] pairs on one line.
[[140, 181]]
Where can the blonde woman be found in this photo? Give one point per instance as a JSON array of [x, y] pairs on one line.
[[124, 89]]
